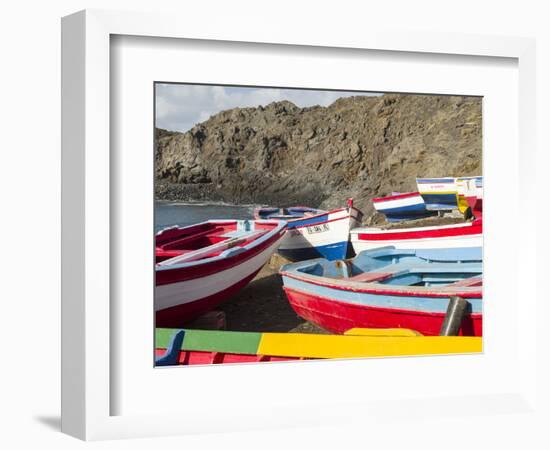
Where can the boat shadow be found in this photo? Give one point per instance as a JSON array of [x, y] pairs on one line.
[[262, 306]]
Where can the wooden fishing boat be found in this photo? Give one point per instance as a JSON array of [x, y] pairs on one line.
[[398, 207], [439, 194], [474, 197], [442, 237], [469, 194], [314, 233], [387, 288], [202, 265], [191, 347]]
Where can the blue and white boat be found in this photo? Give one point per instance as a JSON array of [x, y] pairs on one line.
[[398, 207], [314, 233], [439, 194]]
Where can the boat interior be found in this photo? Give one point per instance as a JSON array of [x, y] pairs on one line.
[[389, 266], [293, 212], [206, 240]]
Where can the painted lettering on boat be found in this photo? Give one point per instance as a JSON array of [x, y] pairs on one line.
[[321, 228], [318, 228]]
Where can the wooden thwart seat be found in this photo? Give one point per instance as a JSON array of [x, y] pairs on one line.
[[468, 282], [367, 277]]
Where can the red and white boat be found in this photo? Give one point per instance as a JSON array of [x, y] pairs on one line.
[[462, 235], [200, 266], [388, 288]]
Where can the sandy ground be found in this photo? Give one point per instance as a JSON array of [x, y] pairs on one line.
[[263, 306]]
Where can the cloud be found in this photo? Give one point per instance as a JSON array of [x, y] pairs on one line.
[[180, 106]]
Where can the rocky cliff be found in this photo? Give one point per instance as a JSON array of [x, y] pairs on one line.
[[359, 147]]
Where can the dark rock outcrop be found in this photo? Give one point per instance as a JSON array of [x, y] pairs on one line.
[[358, 147]]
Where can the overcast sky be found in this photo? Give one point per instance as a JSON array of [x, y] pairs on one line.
[[180, 106]]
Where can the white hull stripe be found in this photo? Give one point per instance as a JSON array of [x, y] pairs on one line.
[[174, 294], [475, 240], [356, 231], [398, 203]]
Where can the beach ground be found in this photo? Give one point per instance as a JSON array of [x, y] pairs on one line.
[[262, 306]]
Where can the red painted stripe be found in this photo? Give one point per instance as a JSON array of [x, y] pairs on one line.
[[379, 289], [466, 230], [175, 275], [396, 197]]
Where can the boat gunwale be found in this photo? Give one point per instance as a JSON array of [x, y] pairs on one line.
[[348, 216], [279, 229], [321, 213], [376, 230], [377, 307], [381, 289], [397, 197], [333, 211]]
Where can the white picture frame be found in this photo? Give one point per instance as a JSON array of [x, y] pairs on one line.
[[89, 324]]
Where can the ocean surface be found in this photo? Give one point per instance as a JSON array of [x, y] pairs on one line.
[[177, 213]]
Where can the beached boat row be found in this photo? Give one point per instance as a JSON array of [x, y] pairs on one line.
[[345, 276], [434, 196]]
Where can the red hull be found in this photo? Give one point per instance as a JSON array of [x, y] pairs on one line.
[[338, 317], [191, 357], [476, 205], [177, 316]]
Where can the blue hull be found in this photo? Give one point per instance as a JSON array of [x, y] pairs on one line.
[[331, 252], [407, 213], [440, 201]]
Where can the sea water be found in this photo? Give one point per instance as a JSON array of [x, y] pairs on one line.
[[168, 214]]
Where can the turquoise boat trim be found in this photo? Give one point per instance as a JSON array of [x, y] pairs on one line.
[[421, 304]]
